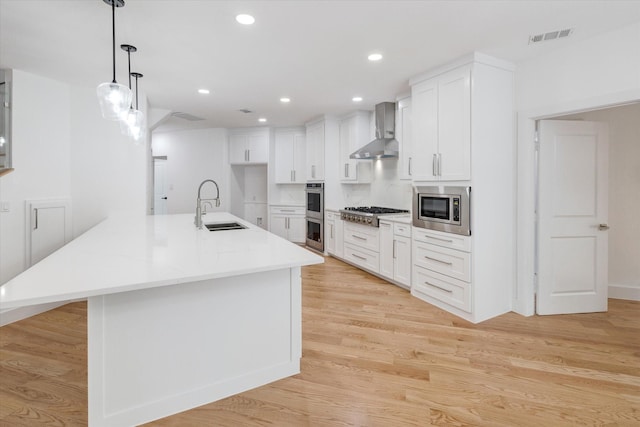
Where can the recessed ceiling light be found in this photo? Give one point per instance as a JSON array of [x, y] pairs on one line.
[[203, 91], [357, 99], [375, 57], [285, 100], [245, 19], [262, 120]]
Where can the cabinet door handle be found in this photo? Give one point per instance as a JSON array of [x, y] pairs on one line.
[[434, 165], [409, 166], [439, 287], [331, 231], [439, 164], [35, 220], [439, 239], [394, 249], [294, 176], [248, 155], [287, 210], [346, 170], [359, 257], [358, 237], [438, 260]]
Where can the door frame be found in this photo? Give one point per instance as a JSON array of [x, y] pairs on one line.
[[526, 190]]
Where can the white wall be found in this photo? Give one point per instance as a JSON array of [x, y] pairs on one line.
[[597, 72], [192, 157], [624, 196], [63, 148], [41, 158]]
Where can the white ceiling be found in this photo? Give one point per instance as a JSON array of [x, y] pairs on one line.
[[314, 52]]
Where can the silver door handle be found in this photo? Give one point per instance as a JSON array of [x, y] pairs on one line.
[[409, 166], [434, 165], [438, 260], [346, 170], [294, 176], [394, 249], [358, 237], [603, 227], [436, 238], [35, 212], [439, 164], [359, 257], [331, 231]]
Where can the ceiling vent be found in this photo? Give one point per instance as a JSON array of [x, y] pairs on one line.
[[551, 35], [187, 116], [245, 110]]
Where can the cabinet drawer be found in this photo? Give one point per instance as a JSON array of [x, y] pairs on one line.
[[447, 240], [287, 210], [452, 263], [401, 229], [362, 236], [446, 289], [362, 257]]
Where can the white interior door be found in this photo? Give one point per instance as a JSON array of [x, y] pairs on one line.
[[159, 186], [572, 217]]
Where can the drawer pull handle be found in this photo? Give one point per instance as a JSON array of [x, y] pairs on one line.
[[438, 260], [439, 239], [359, 257], [439, 287], [358, 237]]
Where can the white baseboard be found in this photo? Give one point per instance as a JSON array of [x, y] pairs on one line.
[[11, 315], [628, 292]]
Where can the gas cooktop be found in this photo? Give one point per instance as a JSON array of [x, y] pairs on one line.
[[368, 215]]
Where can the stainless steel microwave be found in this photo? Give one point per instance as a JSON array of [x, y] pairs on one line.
[[445, 209]]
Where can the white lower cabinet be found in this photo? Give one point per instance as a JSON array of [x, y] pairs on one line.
[[333, 234], [362, 246], [441, 268], [395, 252], [288, 222]]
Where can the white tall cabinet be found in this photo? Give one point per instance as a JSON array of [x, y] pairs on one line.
[[464, 135], [404, 136], [315, 150], [354, 133], [290, 156]]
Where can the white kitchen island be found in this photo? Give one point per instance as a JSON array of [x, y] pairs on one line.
[[177, 317]]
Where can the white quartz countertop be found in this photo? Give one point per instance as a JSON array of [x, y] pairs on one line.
[[138, 252]]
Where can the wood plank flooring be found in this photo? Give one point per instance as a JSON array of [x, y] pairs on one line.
[[372, 356]]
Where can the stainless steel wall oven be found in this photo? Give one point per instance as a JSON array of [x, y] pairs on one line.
[[315, 215]]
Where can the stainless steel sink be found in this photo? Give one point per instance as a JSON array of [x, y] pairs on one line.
[[221, 226]]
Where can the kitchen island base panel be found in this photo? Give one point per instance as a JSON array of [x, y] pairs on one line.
[[156, 352]]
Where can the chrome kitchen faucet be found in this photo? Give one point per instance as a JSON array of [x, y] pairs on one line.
[[199, 202]]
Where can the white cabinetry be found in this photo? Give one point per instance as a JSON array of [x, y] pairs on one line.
[[441, 112], [315, 151], [249, 147], [354, 133], [334, 231], [288, 222], [442, 268], [362, 246], [395, 252], [463, 121], [290, 159], [404, 135]]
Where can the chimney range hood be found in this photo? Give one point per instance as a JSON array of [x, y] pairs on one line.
[[385, 145]]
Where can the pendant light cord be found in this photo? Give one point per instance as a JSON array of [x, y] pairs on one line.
[[136, 89], [113, 36]]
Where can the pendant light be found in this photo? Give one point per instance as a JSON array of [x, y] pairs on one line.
[[136, 118], [128, 116], [113, 97]]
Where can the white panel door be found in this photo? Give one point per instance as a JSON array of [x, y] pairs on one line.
[[159, 186], [572, 217]]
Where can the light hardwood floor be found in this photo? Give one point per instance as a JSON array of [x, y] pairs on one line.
[[372, 356]]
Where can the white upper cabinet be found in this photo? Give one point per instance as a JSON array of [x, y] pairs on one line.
[[250, 147], [290, 159], [404, 135], [441, 119], [354, 133], [315, 151]]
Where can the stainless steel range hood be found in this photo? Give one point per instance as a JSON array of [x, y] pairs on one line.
[[385, 145]]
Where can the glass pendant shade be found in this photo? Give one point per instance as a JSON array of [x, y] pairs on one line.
[[115, 99], [134, 124]]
